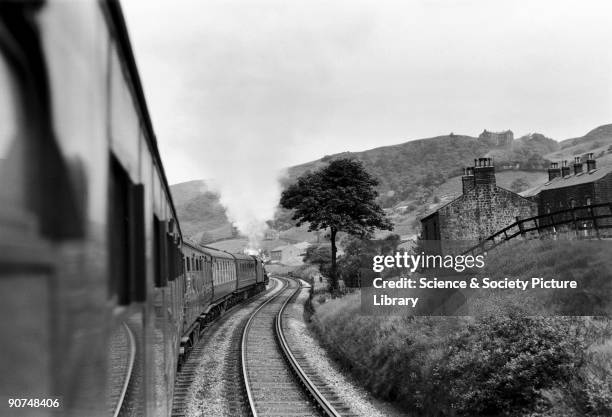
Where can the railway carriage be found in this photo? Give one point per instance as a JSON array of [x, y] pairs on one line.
[[100, 288], [197, 296], [84, 191], [223, 275], [245, 271]]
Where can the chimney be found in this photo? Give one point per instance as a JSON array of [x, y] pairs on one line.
[[577, 166], [554, 171], [565, 169], [591, 164], [484, 172], [467, 179]]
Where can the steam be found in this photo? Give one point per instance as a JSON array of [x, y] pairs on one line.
[[249, 191]]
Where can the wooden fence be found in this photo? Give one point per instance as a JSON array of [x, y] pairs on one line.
[[584, 222]]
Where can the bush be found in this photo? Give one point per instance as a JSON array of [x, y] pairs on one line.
[[459, 366], [503, 363]]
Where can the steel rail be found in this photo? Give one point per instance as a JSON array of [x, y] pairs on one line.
[[132, 359], [243, 347], [306, 382]]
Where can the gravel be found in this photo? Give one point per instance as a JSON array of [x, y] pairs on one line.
[[361, 401], [212, 391]]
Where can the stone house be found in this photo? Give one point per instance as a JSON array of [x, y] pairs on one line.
[[271, 234], [584, 185], [482, 209], [497, 138]]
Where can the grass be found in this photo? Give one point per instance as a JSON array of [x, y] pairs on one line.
[[519, 365]]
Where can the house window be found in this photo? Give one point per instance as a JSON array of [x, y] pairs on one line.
[[572, 203], [588, 201]]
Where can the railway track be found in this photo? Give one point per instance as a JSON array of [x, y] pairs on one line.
[[328, 400], [262, 374], [276, 382], [123, 356], [189, 371]]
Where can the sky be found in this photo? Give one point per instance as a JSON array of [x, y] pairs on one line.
[[240, 89], [297, 79]]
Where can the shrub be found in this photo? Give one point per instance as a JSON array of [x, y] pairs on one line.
[[503, 363]]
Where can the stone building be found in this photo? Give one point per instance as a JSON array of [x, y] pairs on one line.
[[291, 255], [482, 209], [497, 138], [582, 184], [272, 234]]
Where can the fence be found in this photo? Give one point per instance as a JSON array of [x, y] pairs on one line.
[[584, 222]]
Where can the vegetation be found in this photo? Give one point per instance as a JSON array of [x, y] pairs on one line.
[[339, 197], [414, 169], [502, 362], [202, 216]]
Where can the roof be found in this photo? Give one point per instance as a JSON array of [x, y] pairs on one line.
[[461, 196], [441, 206], [117, 20], [571, 180], [242, 256], [216, 253]]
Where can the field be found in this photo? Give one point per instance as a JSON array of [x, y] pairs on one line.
[[525, 365]]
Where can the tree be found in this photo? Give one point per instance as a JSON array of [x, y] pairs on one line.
[[319, 255], [339, 196]]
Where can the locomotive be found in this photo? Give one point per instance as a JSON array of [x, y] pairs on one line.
[[101, 297]]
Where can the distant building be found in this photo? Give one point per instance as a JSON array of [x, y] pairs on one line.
[[582, 184], [482, 209], [497, 138], [272, 234], [291, 255]]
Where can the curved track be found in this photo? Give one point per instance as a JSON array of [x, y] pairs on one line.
[[126, 348], [189, 371], [275, 383]]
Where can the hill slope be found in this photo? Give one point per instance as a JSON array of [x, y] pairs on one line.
[[415, 177], [201, 214], [415, 168], [598, 141]]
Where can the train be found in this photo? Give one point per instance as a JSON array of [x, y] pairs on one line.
[[101, 296]]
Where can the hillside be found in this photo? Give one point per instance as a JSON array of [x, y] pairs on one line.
[[598, 141], [415, 178], [202, 216], [415, 168]]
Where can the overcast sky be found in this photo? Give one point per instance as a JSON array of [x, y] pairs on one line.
[[282, 82]]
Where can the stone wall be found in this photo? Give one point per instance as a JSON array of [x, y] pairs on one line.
[[561, 198], [603, 190], [481, 212]]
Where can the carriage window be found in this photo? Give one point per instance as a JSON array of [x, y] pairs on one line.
[[12, 159], [126, 236], [173, 256], [8, 108], [137, 243], [159, 252]]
